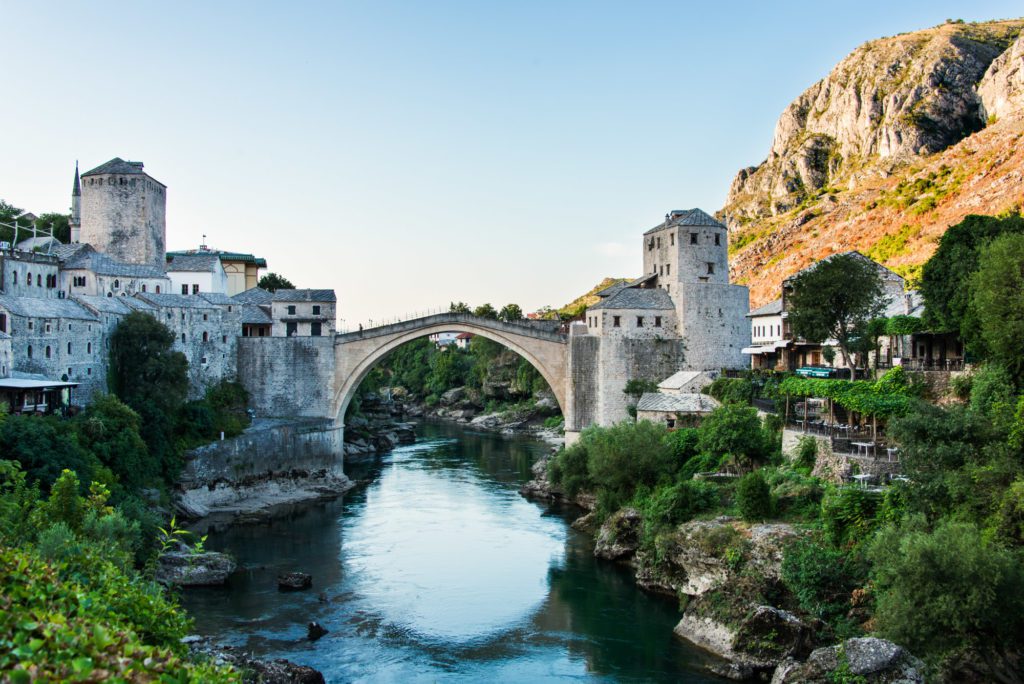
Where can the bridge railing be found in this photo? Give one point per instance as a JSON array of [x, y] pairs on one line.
[[459, 321], [344, 327]]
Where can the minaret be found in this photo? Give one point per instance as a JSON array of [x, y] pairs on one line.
[[75, 222]]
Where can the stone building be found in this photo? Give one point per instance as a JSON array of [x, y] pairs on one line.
[[675, 410], [6, 357], [84, 271], [256, 316], [241, 270], [191, 274], [123, 213], [303, 313], [29, 274]]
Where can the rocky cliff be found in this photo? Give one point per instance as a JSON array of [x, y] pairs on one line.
[[905, 137]]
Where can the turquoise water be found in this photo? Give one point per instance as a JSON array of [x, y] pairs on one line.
[[436, 569]]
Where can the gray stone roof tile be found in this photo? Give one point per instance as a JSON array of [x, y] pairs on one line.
[[677, 403], [769, 309], [636, 298], [46, 308], [101, 264], [109, 305], [305, 296], [253, 314], [197, 263], [218, 298], [176, 300], [687, 217], [254, 295], [116, 165]]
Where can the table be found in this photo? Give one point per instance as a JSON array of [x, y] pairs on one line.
[[894, 454], [862, 479], [863, 447]]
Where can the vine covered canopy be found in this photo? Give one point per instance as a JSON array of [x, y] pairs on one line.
[[889, 395]]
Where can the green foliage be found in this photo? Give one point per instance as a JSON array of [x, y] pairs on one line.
[[45, 447], [903, 325], [486, 311], [568, 470], [822, 579], [848, 514], [892, 394], [806, 454], [636, 387], [732, 390], [946, 279], [510, 313], [998, 302], [835, 300], [274, 282], [733, 432], [459, 307], [683, 443], [672, 504], [949, 591], [753, 497], [111, 430], [991, 389], [622, 457], [795, 494]]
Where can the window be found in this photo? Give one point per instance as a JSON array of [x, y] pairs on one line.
[[616, 321], [657, 321], [31, 325], [30, 351], [206, 336], [291, 329], [205, 317], [184, 289], [671, 239], [718, 239], [69, 348], [195, 288], [158, 289], [203, 360], [88, 371], [47, 352], [15, 277], [39, 280], [291, 310], [28, 281], [88, 348], [183, 315], [693, 238], [3, 322], [316, 309], [659, 243], [639, 321], [711, 268], [117, 284], [143, 287], [47, 327], [661, 270], [668, 269], [224, 339], [315, 328], [183, 338], [229, 308]]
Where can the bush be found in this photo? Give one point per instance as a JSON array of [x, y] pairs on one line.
[[949, 591], [753, 497], [822, 580], [806, 454], [568, 470], [848, 514], [731, 390], [622, 457], [794, 493], [733, 431], [683, 443], [671, 505]]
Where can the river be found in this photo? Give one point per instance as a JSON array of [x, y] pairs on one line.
[[436, 569]]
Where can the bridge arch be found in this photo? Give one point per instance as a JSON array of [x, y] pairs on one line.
[[357, 353]]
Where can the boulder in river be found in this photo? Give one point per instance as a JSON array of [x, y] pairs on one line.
[[188, 569], [315, 630], [294, 581], [619, 536]]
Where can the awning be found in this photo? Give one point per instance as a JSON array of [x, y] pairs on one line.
[[19, 384], [770, 348]]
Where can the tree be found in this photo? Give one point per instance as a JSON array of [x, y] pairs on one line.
[[637, 387], [753, 497], [510, 313], [946, 276], [150, 377], [486, 311], [998, 301], [9, 212], [111, 430], [58, 223], [836, 299], [45, 448], [459, 307], [950, 591], [274, 282], [733, 431]]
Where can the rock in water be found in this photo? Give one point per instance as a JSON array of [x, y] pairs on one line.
[[186, 569], [619, 536], [294, 581], [315, 630]]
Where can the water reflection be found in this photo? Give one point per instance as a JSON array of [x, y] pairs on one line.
[[438, 570]]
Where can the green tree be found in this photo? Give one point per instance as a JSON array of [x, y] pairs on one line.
[[623, 457], [733, 432], [835, 300], [486, 311], [637, 387], [150, 377], [510, 313], [753, 497], [58, 223], [950, 591], [45, 447], [274, 282], [111, 431], [822, 578], [459, 307], [8, 213], [998, 303]]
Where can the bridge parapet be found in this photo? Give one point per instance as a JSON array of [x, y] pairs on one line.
[[521, 328]]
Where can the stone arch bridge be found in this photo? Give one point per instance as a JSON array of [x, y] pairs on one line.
[[316, 377]]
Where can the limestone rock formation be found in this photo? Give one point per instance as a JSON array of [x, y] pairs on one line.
[[294, 581], [895, 97], [1002, 88], [868, 660], [619, 536], [187, 569]]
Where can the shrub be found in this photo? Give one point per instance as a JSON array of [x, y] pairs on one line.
[[674, 504], [806, 454], [753, 497], [568, 470], [794, 493], [622, 457], [733, 431], [822, 579], [731, 390], [848, 514], [683, 443]]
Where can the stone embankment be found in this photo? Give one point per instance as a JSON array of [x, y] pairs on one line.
[[273, 463], [721, 570], [460, 405]]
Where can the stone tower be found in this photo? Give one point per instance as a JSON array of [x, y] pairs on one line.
[[123, 213], [75, 223], [687, 255]]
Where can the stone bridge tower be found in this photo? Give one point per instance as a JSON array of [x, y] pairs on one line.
[[123, 213]]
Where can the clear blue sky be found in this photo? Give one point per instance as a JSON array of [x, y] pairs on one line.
[[410, 154]]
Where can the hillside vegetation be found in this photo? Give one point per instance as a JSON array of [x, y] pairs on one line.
[[905, 137]]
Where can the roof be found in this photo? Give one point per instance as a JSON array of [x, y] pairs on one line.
[[45, 308], [687, 217], [683, 378], [636, 298], [117, 165], [218, 298], [137, 304], [464, 336], [176, 300], [254, 295], [101, 264], [222, 255], [610, 290], [910, 304], [886, 273], [40, 242], [255, 315], [21, 383], [200, 263], [111, 305], [65, 252], [677, 403], [769, 309], [304, 296]]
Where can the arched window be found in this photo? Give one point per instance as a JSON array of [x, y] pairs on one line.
[[143, 287], [158, 289], [206, 336], [28, 281], [117, 284], [15, 277], [183, 338], [39, 280]]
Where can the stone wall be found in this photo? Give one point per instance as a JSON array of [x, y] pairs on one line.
[[288, 376], [124, 216], [837, 467], [584, 385], [15, 269], [713, 322]]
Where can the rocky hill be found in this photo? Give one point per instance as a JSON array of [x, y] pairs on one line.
[[905, 137]]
